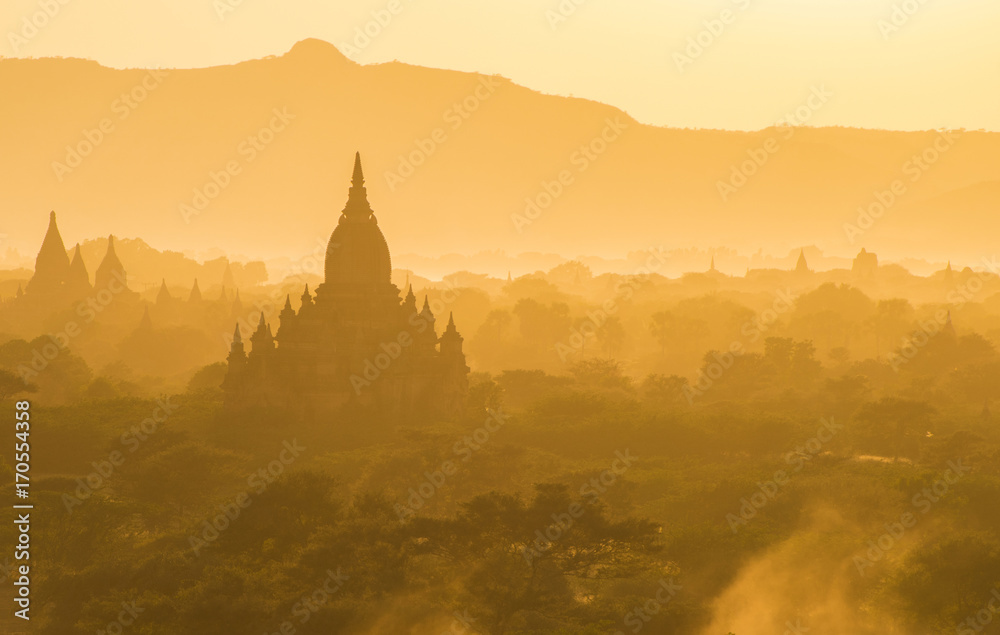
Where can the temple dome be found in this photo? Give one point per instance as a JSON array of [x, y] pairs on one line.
[[357, 253]]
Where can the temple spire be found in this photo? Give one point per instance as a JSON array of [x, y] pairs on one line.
[[801, 266], [79, 279], [110, 268], [357, 207], [236, 334], [52, 267], [410, 302], [451, 341], [358, 180], [949, 329], [262, 339], [163, 296], [426, 311], [287, 316], [146, 323]]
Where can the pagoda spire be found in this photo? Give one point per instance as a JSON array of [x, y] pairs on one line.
[[195, 292], [410, 302], [79, 278], [949, 329], [451, 342], [357, 207], [801, 266], [145, 324], [237, 359], [110, 268], [287, 316], [426, 312], [163, 297], [358, 179], [52, 266], [262, 339]]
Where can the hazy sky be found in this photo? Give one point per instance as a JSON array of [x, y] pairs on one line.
[[901, 64]]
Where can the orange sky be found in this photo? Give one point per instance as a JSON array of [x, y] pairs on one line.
[[899, 64]]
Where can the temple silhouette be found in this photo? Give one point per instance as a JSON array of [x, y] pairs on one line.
[[355, 340], [59, 281]]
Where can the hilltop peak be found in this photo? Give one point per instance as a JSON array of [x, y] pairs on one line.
[[317, 49]]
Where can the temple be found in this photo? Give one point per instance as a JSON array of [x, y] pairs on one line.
[[59, 282], [354, 340]]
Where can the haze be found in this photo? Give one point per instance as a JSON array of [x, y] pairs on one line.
[[919, 66]]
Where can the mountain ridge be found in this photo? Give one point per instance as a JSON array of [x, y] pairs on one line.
[[652, 185]]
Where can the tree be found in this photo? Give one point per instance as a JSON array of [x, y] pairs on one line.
[[673, 331], [522, 562], [891, 423], [979, 382], [60, 379], [664, 389], [603, 373], [11, 384], [892, 320], [208, 378], [584, 326], [840, 355], [611, 335], [792, 362], [663, 327], [497, 322], [542, 326], [174, 477], [571, 272]]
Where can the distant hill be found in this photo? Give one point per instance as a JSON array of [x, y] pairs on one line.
[[649, 186], [147, 267]]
